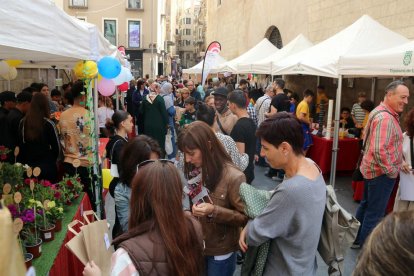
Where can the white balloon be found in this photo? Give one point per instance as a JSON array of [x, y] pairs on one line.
[[11, 75], [4, 67], [122, 77]]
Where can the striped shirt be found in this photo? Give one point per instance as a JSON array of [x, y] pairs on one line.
[[383, 149], [252, 113], [358, 113], [262, 107]]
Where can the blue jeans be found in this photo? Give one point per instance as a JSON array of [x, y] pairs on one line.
[[222, 268], [371, 210]]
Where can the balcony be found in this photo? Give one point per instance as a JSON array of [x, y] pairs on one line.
[[78, 4]]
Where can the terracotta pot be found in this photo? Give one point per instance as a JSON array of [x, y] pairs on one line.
[[34, 249], [58, 224], [28, 257], [47, 235]]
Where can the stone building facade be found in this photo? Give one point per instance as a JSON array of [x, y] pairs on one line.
[[239, 25]]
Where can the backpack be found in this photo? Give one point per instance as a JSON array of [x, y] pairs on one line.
[[339, 230]]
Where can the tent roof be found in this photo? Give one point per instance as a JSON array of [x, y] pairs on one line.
[[262, 49], [42, 35], [364, 36], [265, 65], [394, 61], [196, 69]]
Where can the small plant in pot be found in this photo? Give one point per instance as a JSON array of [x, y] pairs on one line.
[[55, 215], [29, 234], [70, 188], [47, 229]]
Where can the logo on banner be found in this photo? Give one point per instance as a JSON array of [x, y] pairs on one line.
[[407, 58]]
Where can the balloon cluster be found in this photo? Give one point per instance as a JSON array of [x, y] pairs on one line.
[[8, 69], [111, 74]]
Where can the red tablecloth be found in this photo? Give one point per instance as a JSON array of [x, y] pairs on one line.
[[66, 264], [348, 153]]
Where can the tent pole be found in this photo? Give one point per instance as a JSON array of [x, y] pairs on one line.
[[97, 168], [373, 87], [117, 99], [336, 132]]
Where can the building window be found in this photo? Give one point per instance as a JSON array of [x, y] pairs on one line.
[[188, 21], [78, 3], [110, 31], [187, 56], [134, 34], [188, 31], [188, 42], [134, 4], [274, 36]]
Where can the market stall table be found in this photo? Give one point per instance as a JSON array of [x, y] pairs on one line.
[[56, 259], [348, 153]]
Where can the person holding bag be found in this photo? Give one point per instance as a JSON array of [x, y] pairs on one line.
[[221, 212], [161, 239]]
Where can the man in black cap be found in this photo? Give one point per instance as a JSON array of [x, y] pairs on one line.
[[225, 119], [13, 119]]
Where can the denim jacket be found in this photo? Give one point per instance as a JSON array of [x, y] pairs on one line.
[[122, 198]]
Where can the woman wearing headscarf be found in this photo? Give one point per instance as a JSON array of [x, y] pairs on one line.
[[166, 93]]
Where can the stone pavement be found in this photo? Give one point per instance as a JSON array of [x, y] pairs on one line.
[[344, 194]]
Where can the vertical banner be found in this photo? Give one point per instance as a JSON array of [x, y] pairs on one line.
[[210, 59]]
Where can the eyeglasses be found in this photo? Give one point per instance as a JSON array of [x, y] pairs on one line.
[[146, 162]]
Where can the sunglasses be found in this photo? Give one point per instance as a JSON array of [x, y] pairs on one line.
[[146, 162]]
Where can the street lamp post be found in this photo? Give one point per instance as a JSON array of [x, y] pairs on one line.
[[152, 39]]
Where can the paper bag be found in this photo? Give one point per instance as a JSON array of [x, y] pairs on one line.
[[76, 244], [97, 243]]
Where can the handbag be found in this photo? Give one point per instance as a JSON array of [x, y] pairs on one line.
[[168, 143], [357, 175]]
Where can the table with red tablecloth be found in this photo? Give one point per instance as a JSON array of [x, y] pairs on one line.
[[348, 153], [65, 263]]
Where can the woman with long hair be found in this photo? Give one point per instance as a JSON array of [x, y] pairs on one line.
[[38, 139], [161, 238], [221, 211], [137, 150]]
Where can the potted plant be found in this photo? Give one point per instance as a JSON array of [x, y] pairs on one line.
[[70, 188], [46, 228], [29, 234], [55, 215]]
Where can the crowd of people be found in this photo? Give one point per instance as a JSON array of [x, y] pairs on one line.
[[178, 154]]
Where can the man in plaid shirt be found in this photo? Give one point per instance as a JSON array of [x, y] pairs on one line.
[[382, 158]]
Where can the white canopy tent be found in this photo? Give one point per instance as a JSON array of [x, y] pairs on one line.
[[362, 37], [261, 50], [265, 65], [196, 69], [394, 61], [43, 35]]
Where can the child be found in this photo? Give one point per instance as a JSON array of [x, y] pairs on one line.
[[189, 115]]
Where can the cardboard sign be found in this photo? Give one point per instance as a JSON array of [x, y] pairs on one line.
[[36, 171], [17, 197], [31, 185], [16, 151], [7, 189], [29, 172], [76, 163], [17, 225]]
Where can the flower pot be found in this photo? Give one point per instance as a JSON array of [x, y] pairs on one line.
[[58, 224], [28, 257], [47, 235], [34, 249]]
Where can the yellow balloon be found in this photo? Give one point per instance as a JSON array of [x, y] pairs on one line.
[[99, 77], [14, 62], [90, 69], [78, 69]]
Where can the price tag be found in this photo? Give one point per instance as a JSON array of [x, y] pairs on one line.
[[17, 197], [6, 188], [17, 225], [106, 239], [29, 172], [36, 171], [31, 185], [16, 151], [48, 235], [76, 163]]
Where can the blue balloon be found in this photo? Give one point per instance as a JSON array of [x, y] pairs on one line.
[[109, 67]]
